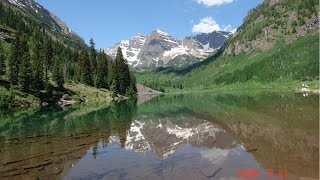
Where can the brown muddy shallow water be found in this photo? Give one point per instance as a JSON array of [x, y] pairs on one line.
[[191, 136]]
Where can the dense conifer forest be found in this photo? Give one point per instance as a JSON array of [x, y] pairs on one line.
[[34, 62]]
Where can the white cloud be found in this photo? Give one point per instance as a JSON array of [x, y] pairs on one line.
[[214, 2], [227, 28], [208, 24]]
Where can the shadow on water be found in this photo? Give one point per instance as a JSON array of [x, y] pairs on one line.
[[47, 143], [182, 136]]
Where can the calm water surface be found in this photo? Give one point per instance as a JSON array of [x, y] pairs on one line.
[[189, 136]]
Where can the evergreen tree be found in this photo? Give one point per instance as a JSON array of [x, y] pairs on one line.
[[122, 82], [112, 73], [57, 73], [86, 76], [74, 67], [114, 88], [37, 66], [13, 62], [25, 78], [2, 61], [102, 71], [48, 55], [77, 69], [123, 73], [131, 91], [93, 59]]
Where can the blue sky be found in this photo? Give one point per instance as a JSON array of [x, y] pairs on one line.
[[108, 21]]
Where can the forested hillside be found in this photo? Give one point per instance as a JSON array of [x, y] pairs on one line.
[[277, 46], [35, 64]]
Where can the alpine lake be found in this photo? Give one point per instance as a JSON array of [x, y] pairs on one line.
[[208, 135]]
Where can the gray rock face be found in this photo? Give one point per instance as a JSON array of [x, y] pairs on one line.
[[207, 41], [159, 49]]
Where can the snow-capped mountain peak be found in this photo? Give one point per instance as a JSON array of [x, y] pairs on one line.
[[130, 48], [124, 43], [159, 48]]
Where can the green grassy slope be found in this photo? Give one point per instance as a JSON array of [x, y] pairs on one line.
[[285, 65]]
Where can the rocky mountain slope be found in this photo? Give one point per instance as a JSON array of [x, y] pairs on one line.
[[274, 19], [159, 49], [56, 27]]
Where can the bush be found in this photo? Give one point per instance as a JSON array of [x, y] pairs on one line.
[[6, 98], [13, 98]]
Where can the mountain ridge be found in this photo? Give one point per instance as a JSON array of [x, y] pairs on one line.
[[52, 23], [158, 49], [274, 19]]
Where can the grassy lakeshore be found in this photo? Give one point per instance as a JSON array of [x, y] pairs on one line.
[[289, 85], [13, 98]]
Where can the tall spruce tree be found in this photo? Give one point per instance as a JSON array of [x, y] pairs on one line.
[[37, 66], [120, 80], [102, 70], [86, 76], [112, 73], [93, 60], [131, 91], [73, 66], [77, 69], [57, 73], [13, 61], [123, 73], [25, 77], [2, 61], [114, 88], [48, 55]]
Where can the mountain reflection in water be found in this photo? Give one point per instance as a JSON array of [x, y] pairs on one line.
[[190, 136]]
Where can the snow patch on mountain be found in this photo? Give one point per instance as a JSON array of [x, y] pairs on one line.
[[17, 3], [162, 33], [170, 41], [172, 53], [207, 48]]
